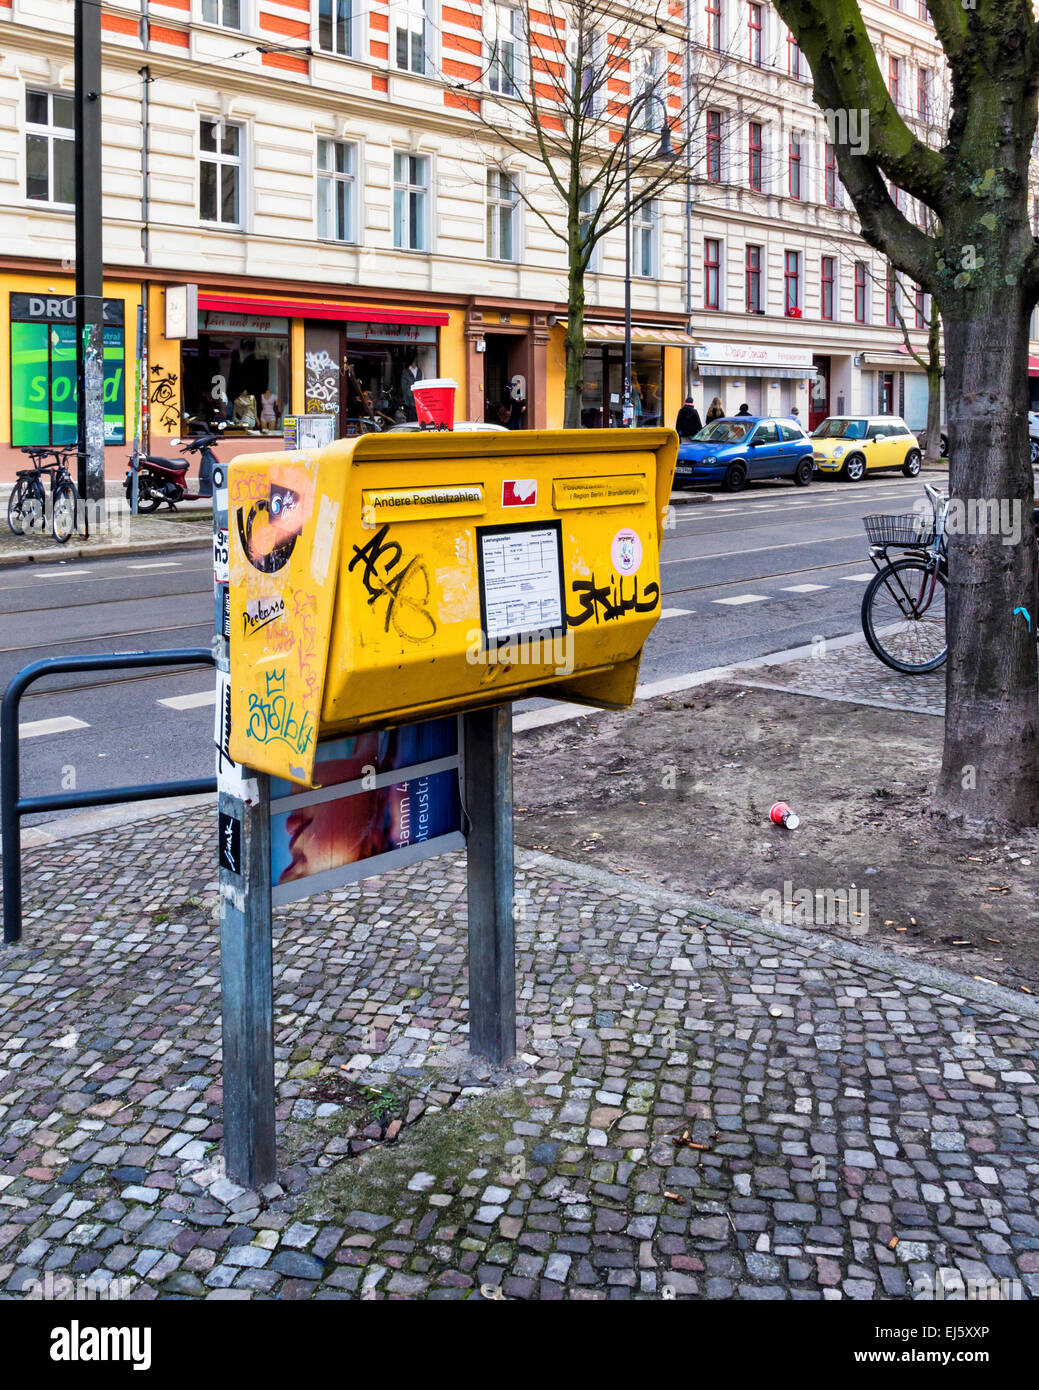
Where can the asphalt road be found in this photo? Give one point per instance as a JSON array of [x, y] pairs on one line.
[[769, 569]]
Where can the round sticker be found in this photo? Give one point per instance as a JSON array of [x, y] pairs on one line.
[[626, 552]]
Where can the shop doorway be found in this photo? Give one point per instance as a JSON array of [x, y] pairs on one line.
[[819, 393], [504, 358]]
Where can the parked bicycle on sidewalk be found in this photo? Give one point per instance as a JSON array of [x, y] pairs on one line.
[[27, 504]]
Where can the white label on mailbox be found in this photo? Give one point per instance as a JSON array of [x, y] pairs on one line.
[[521, 580], [220, 557]]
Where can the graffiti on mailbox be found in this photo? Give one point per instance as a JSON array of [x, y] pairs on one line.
[[405, 586], [608, 602], [273, 717]]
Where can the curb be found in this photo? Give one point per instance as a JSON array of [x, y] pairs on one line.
[[690, 499], [56, 556]]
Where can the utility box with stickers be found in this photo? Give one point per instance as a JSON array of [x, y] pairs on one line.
[[392, 578]]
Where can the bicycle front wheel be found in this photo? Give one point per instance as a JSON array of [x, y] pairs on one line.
[[904, 618], [63, 512], [14, 509]]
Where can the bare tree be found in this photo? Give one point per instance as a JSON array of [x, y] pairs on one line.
[[981, 264]]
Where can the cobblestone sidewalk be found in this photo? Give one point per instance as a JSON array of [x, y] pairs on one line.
[[854, 673], [700, 1109], [117, 533]]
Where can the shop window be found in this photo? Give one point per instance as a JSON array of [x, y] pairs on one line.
[[829, 272], [832, 196], [712, 271], [502, 216], [50, 147], [337, 190], [335, 21], [644, 240], [220, 172], [792, 284], [504, 40], [226, 13], [413, 37], [43, 371], [753, 273], [236, 377], [754, 162], [755, 24], [861, 297], [411, 202], [602, 390], [714, 146], [382, 364]]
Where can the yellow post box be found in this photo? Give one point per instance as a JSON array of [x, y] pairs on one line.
[[388, 578]]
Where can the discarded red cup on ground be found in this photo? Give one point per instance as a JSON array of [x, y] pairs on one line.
[[781, 814]]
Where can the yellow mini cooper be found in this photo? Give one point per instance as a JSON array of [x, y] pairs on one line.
[[853, 445]]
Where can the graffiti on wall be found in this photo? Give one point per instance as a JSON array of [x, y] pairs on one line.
[[162, 394], [321, 382]]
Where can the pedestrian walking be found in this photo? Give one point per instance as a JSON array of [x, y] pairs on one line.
[[744, 409], [715, 411], [688, 422]]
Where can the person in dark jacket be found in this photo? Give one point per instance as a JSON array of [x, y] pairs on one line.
[[688, 422], [715, 411], [744, 409]]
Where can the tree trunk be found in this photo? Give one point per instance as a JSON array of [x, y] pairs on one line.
[[934, 387], [990, 769], [573, 346]]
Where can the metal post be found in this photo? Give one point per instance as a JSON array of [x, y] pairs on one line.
[[246, 949], [135, 462], [89, 272], [10, 821], [487, 739], [626, 413]]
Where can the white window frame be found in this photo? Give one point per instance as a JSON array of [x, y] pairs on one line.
[[348, 27], [51, 133], [645, 226], [408, 188], [333, 176], [596, 61], [222, 160], [592, 197], [242, 27], [412, 18], [498, 205], [505, 33], [646, 75]]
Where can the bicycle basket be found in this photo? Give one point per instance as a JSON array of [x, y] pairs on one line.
[[907, 528]]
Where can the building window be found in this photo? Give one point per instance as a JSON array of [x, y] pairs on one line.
[[792, 284], [413, 36], [644, 235], [794, 182], [755, 24], [337, 190], [714, 25], [920, 307], [714, 146], [226, 13], [793, 56], [589, 203], [504, 42], [861, 303], [410, 202], [891, 298], [894, 80], [886, 393], [829, 269], [753, 273], [220, 173], [923, 93], [50, 148], [831, 177], [754, 156], [335, 26], [712, 270], [502, 216]]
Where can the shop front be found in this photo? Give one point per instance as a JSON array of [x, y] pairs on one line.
[[769, 380], [656, 373]]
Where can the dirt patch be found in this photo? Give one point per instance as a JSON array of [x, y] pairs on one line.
[[677, 790]]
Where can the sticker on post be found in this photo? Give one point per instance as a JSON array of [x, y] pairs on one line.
[[626, 551], [519, 492], [221, 573], [229, 832]]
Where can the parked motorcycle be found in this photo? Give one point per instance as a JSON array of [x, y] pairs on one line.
[[165, 480]]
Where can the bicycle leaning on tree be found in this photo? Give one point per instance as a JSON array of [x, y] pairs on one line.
[[27, 504], [903, 608]]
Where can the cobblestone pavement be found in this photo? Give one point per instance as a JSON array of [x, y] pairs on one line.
[[854, 673], [114, 531], [700, 1109]]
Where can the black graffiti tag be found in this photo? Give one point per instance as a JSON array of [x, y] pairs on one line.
[[610, 601], [407, 588], [163, 394]]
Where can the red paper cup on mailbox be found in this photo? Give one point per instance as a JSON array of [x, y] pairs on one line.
[[435, 402]]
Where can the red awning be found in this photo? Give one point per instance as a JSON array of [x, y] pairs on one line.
[[309, 309], [1033, 366]]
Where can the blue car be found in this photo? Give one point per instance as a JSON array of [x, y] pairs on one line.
[[738, 447]]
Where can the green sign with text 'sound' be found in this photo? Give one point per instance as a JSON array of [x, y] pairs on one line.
[[43, 383]]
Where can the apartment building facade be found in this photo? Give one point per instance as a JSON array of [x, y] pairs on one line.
[[319, 170]]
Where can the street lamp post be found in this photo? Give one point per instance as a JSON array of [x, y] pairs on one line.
[[664, 152]]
